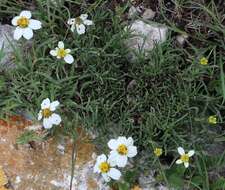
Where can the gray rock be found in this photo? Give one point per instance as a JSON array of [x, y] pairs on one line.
[[148, 182], [145, 36], [6, 46], [132, 12], [149, 14], [181, 39]]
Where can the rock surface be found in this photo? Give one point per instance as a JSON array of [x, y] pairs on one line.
[[147, 182], [44, 166], [145, 36], [47, 165], [148, 14], [6, 42]]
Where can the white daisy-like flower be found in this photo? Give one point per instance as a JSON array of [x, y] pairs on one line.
[[106, 168], [62, 53], [25, 25], [47, 113], [184, 157], [79, 23], [122, 149]]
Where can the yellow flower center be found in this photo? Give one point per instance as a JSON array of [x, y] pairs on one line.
[[78, 20], [46, 113], [122, 149], [212, 119], [61, 53], [203, 61], [158, 151], [185, 158], [23, 22], [104, 167]]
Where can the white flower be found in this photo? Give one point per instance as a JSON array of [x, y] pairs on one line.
[[106, 168], [62, 53], [184, 158], [122, 149], [25, 25], [47, 113], [79, 23]]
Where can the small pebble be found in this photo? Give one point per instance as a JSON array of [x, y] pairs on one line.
[[181, 39], [61, 148], [18, 180], [149, 14]]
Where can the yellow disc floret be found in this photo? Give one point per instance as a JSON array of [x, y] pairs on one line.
[[104, 167], [23, 22], [158, 152], [61, 53], [122, 149], [46, 113], [78, 21], [203, 61], [184, 158], [212, 119]]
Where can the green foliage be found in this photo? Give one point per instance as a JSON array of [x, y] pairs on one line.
[[27, 137]]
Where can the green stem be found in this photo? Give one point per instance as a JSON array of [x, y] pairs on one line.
[[74, 156]]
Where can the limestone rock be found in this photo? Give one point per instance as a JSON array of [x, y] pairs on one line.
[[181, 39], [132, 12], [6, 42], [145, 36], [147, 182], [149, 14]]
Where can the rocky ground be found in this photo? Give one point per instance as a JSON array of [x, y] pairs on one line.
[[45, 165]]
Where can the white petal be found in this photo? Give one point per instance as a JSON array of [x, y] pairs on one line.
[[39, 115], [106, 177], [47, 123], [34, 24], [179, 161], [53, 52], [80, 28], [55, 119], [180, 150], [186, 164], [130, 141], [28, 33], [121, 161], [112, 144], [26, 14], [96, 168], [45, 103], [14, 20], [18, 33], [69, 59], [88, 22], [71, 21], [61, 45], [67, 50], [83, 16], [54, 105], [72, 28], [114, 174], [122, 140], [102, 158], [112, 159], [132, 151], [191, 153]]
